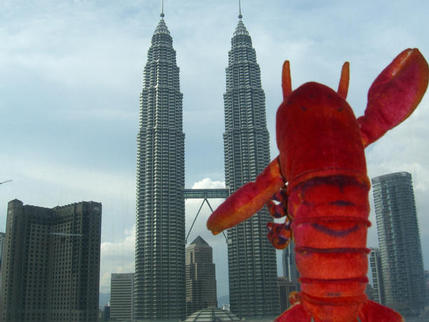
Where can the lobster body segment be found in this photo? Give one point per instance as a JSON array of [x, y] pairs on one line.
[[322, 161]]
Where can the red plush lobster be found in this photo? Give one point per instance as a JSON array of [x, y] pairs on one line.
[[321, 182]]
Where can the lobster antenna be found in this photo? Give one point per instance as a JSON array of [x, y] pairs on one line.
[[343, 87], [286, 80]]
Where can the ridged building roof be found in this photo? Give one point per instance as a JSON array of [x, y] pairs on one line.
[[161, 28], [212, 314], [199, 241], [241, 29]]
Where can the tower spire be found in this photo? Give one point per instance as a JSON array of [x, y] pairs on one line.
[[162, 9], [239, 10]]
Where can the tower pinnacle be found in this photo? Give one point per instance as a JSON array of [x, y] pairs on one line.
[[239, 10], [162, 9]]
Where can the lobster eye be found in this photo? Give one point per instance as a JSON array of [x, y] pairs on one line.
[[304, 108]]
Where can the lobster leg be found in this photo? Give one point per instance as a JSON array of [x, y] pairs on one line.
[[277, 207], [279, 234]]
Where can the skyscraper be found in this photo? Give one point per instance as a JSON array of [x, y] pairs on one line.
[[251, 257], [200, 276], [399, 242], [159, 288], [121, 296], [51, 264], [376, 273]]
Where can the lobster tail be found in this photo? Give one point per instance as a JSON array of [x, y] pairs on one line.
[[330, 228]]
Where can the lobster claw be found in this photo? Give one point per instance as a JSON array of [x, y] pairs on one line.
[[394, 95]]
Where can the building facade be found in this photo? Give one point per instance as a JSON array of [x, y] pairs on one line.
[[121, 297], [251, 257], [377, 275], [2, 238], [200, 276], [290, 272], [159, 284], [51, 264], [399, 243]]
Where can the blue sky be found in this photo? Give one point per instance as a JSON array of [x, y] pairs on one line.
[[71, 73]]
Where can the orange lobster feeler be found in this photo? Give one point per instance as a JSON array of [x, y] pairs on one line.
[[321, 146]]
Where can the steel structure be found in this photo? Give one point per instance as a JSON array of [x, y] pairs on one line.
[[205, 194]]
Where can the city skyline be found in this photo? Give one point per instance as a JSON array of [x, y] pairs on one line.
[[79, 66]]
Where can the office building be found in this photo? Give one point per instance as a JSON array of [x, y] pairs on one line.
[[51, 263], [159, 284], [290, 272], [399, 243], [200, 277], [121, 297], [376, 274], [251, 257]]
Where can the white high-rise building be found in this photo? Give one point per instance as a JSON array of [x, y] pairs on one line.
[[121, 296]]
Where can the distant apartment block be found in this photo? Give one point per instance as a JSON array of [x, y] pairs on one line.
[[399, 242], [200, 276], [376, 274], [51, 263], [121, 297]]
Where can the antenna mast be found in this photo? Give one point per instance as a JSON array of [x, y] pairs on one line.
[[239, 10], [162, 9]]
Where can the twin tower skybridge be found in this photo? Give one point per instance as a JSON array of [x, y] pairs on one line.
[[205, 194]]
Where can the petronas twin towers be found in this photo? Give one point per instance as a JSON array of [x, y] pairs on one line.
[[159, 289]]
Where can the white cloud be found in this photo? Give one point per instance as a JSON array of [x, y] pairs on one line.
[[208, 183], [117, 257]]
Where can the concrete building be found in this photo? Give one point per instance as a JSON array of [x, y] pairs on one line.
[[200, 276], [121, 297], [377, 275], [290, 272], [251, 257], [159, 284], [399, 242], [51, 264]]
